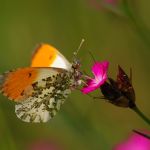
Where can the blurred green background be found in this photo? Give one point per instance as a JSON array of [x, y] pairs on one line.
[[118, 33]]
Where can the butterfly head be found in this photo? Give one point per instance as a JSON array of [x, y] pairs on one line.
[[76, 65]]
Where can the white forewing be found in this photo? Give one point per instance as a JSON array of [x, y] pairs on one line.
[[61, 62]]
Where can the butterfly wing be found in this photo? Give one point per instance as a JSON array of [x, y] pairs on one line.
[[38, 91], [48, 56]]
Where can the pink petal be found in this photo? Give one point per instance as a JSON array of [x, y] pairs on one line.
[[87, 90], [92, 86], [135, 142], [99, 68]]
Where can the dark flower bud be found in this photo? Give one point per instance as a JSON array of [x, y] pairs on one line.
[[119, 92], [125, 84]]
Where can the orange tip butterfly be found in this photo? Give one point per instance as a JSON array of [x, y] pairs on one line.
[[40, 90]]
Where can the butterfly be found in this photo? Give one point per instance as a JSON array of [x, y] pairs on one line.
[[41, 89]]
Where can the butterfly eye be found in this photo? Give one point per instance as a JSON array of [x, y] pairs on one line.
[[77, 62]]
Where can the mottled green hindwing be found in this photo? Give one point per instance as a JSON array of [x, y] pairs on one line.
[[47, 97]]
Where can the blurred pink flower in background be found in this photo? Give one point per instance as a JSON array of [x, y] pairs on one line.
[[101, 4], [110, 1], [134, 142], [44, 145], [99, 70], [110, 6]]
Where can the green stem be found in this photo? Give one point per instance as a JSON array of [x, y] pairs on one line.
[[137, 110], [139, 26], [142, 134]]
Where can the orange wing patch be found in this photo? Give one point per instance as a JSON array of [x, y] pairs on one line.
[[15, 83], [44, 56]]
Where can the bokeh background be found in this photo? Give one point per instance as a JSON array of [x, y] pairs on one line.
[[117, 31]]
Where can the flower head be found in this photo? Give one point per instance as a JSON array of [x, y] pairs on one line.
[[99, 70], [134, 142]]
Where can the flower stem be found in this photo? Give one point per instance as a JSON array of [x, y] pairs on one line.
[[142, 134], [138, 25], [137, 110]]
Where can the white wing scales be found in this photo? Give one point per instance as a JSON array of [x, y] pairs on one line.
[[61, 62]]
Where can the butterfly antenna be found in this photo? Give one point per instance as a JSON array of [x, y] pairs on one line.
[[76, 52]]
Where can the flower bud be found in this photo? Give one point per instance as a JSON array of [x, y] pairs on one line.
[[119, 92]]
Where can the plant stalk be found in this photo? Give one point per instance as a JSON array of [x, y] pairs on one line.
[[141, 114]]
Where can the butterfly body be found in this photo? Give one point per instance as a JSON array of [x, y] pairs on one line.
[[40, 91]]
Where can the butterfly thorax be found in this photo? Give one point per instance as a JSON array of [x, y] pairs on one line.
[[75, 74]]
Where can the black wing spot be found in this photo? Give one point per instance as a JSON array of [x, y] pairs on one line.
[[30, 74], [22, 93]]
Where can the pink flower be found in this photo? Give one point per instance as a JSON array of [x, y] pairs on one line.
[[135, 142], [99, 70]]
